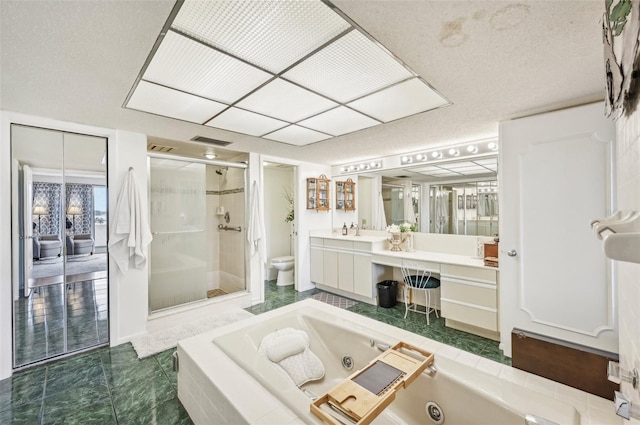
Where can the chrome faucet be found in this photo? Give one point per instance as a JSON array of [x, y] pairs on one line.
[[357, 230]]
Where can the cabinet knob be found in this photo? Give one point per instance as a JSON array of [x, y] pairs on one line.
[[512, 253]]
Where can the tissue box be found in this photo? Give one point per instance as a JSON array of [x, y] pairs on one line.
[[491, 250]]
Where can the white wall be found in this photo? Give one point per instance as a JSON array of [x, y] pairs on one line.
[[255, 264], [276, 208], [628, 193], [128, 293]]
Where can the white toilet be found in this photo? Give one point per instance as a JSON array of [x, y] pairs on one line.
[[285, 270]]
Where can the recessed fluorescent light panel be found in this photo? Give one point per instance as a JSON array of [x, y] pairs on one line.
[[293, 71]]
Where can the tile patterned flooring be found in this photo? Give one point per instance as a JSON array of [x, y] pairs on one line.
[[109, 386], [39, 321]]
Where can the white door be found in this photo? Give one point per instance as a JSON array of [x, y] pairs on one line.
[[555, 177]]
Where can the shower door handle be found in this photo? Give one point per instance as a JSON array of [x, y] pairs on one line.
[[512, 253]]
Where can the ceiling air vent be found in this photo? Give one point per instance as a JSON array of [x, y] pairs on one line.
[[159, 148], [209, 141]]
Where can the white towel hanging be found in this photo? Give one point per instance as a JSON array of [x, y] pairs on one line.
[[130, 235], [255, 235]]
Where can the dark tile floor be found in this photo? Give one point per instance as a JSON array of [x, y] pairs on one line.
[[103, 387], [40, 322], [112, 386]]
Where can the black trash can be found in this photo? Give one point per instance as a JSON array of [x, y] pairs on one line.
[[387, 293]]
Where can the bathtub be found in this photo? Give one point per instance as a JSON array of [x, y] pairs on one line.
[[223, 378]]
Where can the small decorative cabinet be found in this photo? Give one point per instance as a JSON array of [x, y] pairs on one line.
[[318, 193], [345, 195]]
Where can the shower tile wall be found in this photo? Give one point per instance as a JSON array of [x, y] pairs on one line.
[[226, 247], [213, 234], [232, 243], [628, 183]]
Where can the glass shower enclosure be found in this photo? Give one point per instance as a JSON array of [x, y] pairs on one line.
[[185, 254]]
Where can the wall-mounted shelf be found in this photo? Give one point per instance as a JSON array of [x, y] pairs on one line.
[[318, 193], [620, 234], [346, 195]]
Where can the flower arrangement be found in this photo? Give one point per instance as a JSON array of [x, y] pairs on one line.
[[288, 195], [394, 228], [408, 227]]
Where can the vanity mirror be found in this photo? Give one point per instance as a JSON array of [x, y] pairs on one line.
[[451, 197]]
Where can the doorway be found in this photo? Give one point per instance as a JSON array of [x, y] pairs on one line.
[[279, 214], [59, 257]]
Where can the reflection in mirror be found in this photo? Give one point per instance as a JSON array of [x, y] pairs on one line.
[[393, 203], [464, 208], [59, 291], [458, 196]]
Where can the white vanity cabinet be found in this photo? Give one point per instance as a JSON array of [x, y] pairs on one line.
[[344, 267], [469, 299], [317, 260]]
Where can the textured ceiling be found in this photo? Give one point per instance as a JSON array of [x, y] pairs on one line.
[[76, 61]]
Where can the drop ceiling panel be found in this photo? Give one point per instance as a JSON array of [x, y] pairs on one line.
[[283, 100], [486, 161], [160, 100], [456, 165], [404, 99], [189, 66], [443, 173], [348, 68], [337, 121], [271, 34], [241, 121], [426, 169], [296, 135], [474, 171]]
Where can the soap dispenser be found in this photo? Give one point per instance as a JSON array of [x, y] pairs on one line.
[[344, 229]]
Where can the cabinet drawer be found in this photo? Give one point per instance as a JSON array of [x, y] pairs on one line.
[[481, 318], [469, 292], [387, 261], [333, 243], [317, 241], [432, 267], [473, 273]]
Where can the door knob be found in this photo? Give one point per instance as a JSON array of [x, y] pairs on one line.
[[512, 253]]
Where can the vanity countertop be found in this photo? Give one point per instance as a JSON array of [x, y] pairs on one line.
[[351, 238], [434, 257], [430, 256]]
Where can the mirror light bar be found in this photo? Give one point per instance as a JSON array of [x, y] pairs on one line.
[[471, 151], [289, 61], [364, 166]]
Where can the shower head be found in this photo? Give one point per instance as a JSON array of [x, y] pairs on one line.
[[220, 170]]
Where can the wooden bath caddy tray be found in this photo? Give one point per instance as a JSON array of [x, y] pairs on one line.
[[365, 394]]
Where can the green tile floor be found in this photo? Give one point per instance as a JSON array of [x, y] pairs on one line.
[[112, 386]]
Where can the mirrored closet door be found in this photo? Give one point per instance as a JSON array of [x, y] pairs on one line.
[[59, 243]]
